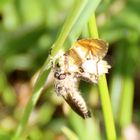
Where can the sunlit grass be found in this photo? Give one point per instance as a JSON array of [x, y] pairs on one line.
[[103, 90], [28, 28]]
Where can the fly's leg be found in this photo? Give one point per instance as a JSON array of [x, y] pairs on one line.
[[97, 72]]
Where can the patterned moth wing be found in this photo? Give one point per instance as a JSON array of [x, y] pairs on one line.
[[90, 53], [91, 48]]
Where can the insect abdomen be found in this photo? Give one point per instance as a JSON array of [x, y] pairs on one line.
[[78, 104]]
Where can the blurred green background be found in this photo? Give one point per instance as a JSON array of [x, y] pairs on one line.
[[28, 28]]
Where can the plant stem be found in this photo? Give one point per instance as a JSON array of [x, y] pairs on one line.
[[107, 110], [72, 18], [93, 31], [31, 103], [127, 101], [103, 90]]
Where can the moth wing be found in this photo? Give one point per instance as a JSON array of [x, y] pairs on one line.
[[97, 47]]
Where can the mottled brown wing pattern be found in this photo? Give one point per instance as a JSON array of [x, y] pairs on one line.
[[97, 47], [77, 60]]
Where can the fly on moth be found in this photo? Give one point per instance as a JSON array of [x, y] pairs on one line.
[[82, 62]]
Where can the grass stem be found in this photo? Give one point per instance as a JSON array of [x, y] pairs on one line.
[[103, 90]]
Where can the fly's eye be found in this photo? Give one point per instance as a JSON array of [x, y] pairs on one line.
[[56, 75], [62, 76], [59, 76]]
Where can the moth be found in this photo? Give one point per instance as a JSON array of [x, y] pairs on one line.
[[89, 48], [84, 61], [94, 51]]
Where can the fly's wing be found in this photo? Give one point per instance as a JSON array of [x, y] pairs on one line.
[[78, 104], [97, 47]]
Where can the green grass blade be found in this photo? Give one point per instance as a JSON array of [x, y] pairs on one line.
[[127, 101], [103, 89], [70, 135], [115, 91], [71, 20], [31, 103], [107, 110], [83, 19], [93, 27]]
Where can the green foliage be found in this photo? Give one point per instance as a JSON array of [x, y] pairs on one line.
[[28, 29]]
